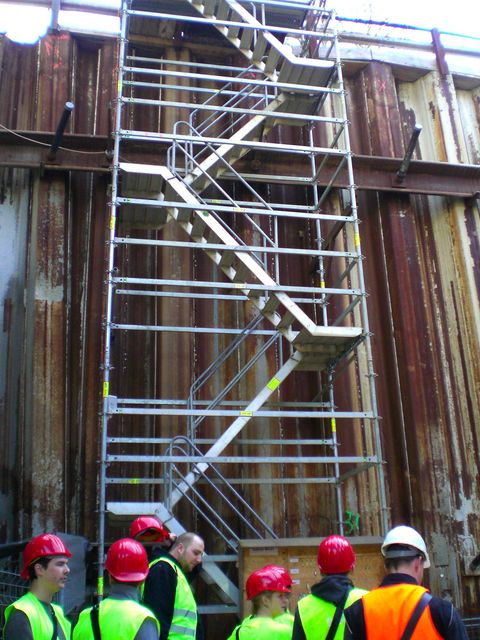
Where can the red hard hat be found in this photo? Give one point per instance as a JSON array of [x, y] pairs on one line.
[[127, 561], [149, 529], [335, 555], [282, 573], [43, 546], [265, 580]]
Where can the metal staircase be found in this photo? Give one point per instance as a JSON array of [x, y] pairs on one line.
[[203, 197]]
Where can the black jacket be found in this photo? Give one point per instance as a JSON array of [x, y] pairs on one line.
[[332, 589]]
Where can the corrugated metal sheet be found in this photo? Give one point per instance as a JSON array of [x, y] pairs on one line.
[[53, 290], [422, 272]]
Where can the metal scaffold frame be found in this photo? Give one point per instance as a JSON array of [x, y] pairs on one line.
[[275, 327]]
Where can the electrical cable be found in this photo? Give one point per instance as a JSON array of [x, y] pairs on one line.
[[45, 144]]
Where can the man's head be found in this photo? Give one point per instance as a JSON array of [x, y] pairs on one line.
[[405, 551], [188, 550], [46, 557], [127, 561], [335, 555]]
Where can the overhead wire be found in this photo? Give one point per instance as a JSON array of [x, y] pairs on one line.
[[46, 144]]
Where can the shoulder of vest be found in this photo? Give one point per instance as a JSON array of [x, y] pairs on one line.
[[170, 561], [27, 601]]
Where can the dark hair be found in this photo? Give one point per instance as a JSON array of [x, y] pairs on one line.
[[397, 555], [41, 561]]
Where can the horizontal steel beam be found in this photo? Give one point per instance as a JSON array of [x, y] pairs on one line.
[[242, 459], [237, 481], [372, 173]]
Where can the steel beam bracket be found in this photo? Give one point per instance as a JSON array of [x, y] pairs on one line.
[[402, 172], [57, 140]]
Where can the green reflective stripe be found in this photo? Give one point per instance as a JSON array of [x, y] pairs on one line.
[[184, 631], [185, 613], [40, 622]]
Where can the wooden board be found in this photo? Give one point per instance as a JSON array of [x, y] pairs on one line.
[[299, 557]]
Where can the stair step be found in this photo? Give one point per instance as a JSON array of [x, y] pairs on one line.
[[286, 320], [314, 73], [223, 10], [305, 340], [246, 41], [198, 227], [260, 48], [209, 7], [232, 33], [226, 260], [272, 61], [145, 181], [271, 305], [242, 273]]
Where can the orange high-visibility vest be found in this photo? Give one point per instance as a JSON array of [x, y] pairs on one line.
[[387, 611]]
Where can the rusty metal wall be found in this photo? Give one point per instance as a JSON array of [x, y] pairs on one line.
[[422, 272], [53, 230]]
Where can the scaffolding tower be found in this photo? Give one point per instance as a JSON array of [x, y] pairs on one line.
[[237, 355]]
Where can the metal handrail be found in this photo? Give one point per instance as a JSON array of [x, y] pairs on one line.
[[218, 362], [171, 159], [239, 507]]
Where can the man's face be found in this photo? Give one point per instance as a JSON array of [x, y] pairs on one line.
[[55, 574], [192, 555]]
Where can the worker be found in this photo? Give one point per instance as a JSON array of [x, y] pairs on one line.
[[319, 615], [401, 607], [285, 617], [268, 593], [167, 591], [120, 616], [150, 531], [34, 616]]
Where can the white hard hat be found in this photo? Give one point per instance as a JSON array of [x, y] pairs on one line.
[[406, 536]]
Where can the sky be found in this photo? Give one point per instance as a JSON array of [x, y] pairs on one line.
[[28, 23]]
